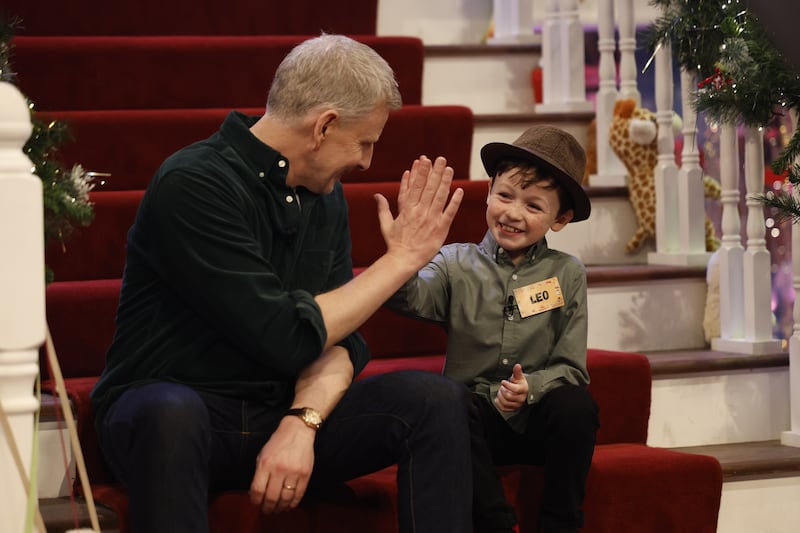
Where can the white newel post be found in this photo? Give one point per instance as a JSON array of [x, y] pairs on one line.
[[666, 171], [610, 170], [731, 252], [22, 314], [563, 61]]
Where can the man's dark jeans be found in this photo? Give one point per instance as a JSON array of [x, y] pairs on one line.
[[171, 445]]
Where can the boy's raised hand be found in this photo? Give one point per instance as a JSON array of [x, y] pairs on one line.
[[513, 391]]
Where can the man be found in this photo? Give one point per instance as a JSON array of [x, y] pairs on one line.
[[235, 344]]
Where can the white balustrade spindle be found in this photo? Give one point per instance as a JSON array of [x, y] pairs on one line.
[[628, 87], [563, 60], [691, 195], [513, 21], [610, 170], [731, 253], [666, 171], [756, 267]]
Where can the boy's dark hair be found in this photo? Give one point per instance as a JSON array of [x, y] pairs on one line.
[[529, 173]]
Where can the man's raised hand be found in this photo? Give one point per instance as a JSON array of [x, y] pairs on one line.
[[424, 214]]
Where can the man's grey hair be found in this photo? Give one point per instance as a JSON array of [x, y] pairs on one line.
[[335, 71]]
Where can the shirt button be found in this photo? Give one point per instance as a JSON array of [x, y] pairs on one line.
[[511, 318], [514, 277], [289, 198], [281, 163], [500, 251], [505, 361], [260, 174]]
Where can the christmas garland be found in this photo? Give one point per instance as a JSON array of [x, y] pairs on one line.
[[745, 79], [65, 192]]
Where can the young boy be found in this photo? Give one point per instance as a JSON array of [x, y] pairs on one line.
[[515, 313]]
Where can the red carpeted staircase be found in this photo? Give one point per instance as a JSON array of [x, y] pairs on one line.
[[137, 81]]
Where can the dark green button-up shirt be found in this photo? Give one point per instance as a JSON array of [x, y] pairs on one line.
[[469, 289], [223, 263]]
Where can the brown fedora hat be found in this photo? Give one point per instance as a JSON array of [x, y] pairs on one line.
[[554, 149]]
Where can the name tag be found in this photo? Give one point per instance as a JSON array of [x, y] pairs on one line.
[[539, 297]]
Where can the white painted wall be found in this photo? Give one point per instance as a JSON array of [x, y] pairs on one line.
[[760, 506], [467, 21], [719, 407]]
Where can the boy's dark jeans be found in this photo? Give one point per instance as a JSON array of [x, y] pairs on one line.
[[171, 445], [560, 436]]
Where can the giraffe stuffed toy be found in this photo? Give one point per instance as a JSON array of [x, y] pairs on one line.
[[633, 138]]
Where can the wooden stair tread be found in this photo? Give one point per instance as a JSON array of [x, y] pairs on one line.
[[613, 274], [59, 515], [752, 460], [693, 361]]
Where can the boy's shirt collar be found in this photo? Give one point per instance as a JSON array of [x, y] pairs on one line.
[[498, 254]]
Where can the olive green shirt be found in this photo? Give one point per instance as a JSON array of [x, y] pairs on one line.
[[469, 289]]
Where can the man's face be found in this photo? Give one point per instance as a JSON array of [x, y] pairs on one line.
[[346, 145], [519, 217]]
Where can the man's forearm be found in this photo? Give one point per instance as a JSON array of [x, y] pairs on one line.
[[348, 307], [323, 383]]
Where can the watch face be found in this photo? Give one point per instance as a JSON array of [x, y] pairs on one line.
[[312, 417]]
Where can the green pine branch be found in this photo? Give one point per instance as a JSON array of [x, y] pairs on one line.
[[744, 78], [65, 192]]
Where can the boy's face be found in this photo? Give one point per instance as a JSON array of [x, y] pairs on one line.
[[519, 217]]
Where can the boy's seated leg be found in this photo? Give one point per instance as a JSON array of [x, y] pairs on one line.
[[563, 427], [156, 439], [492, 513], [417, 420]]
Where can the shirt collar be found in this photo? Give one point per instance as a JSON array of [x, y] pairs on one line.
[[491, 247], [265, 161]]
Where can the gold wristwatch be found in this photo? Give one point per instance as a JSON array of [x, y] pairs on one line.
[[308, 415]]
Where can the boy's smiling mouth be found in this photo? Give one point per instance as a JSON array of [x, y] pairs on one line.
[[509, 229]]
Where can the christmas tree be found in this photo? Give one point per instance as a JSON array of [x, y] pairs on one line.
[[65, 192], [745, 78]]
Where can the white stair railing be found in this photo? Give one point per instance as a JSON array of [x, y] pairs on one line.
[[22, 312], [745, 274], [610, 170]]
